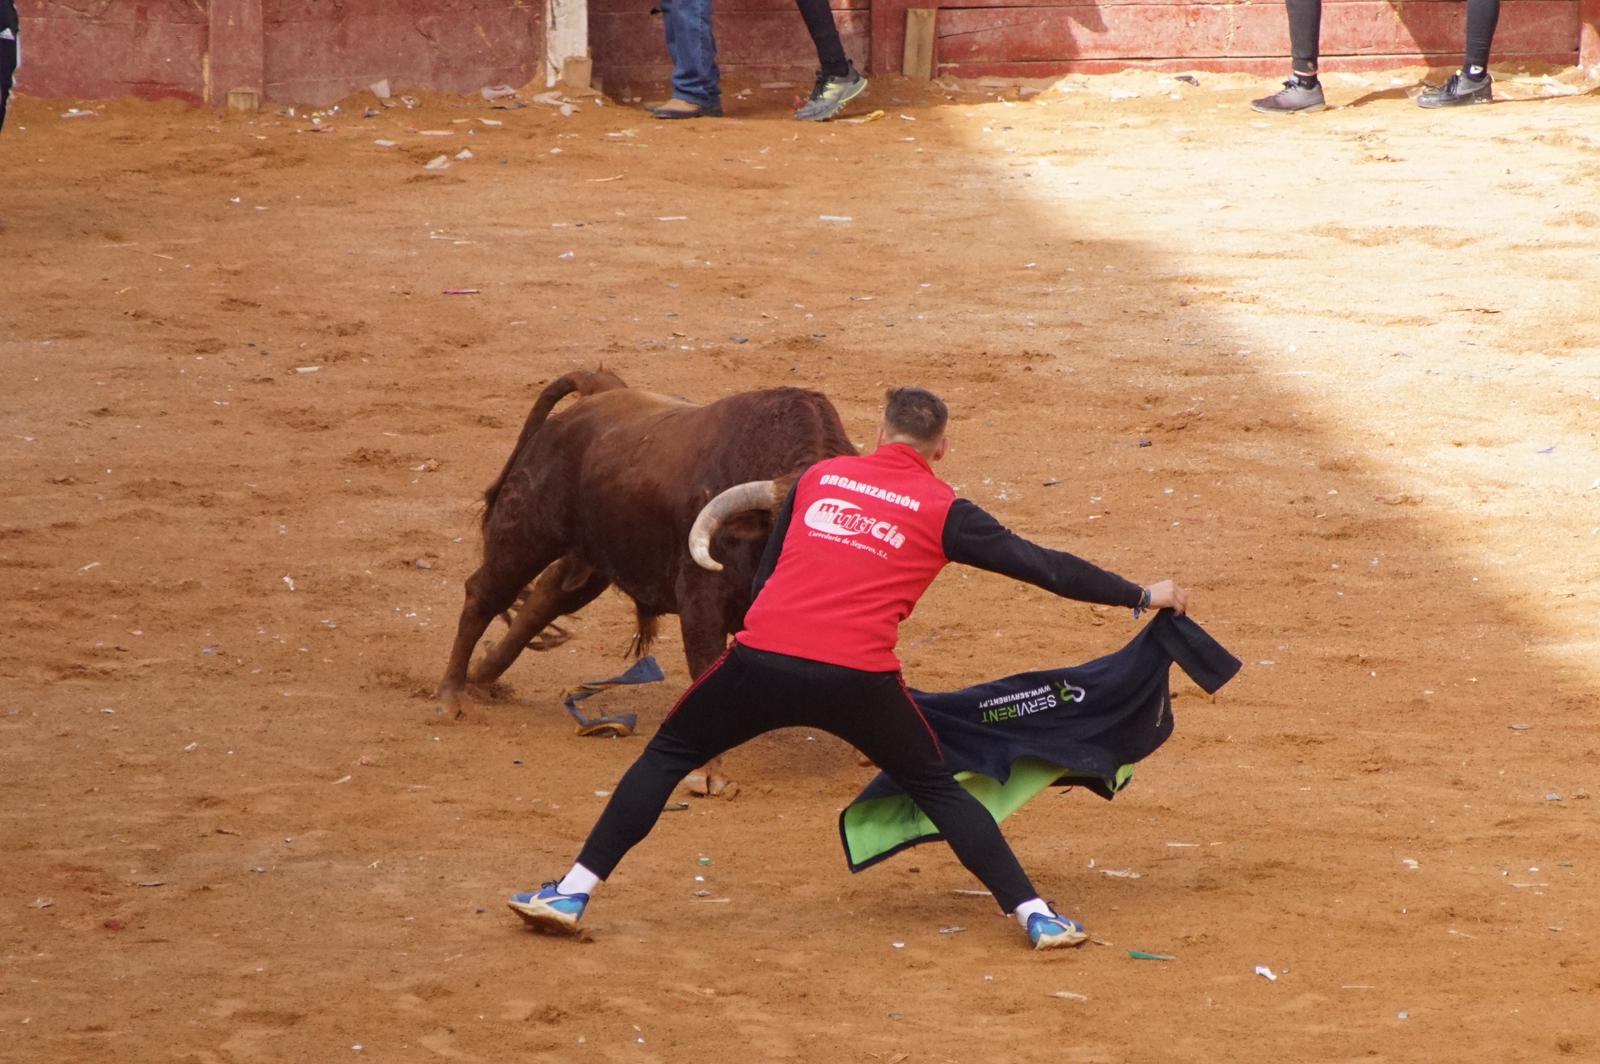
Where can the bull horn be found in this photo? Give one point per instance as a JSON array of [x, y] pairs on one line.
[[753, 495]]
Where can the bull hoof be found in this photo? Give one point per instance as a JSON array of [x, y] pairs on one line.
[[710, 785], [456, 705], [452, 711], [452, 704]]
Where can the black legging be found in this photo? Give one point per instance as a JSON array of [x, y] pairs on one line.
[[1305, 27], [1482, 15], [8, 69], [750, 692], [825, 35]]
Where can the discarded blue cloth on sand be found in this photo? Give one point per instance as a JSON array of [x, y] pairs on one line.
[[645, 670]]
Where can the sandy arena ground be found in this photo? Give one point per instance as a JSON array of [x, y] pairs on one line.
[[1364, 349]]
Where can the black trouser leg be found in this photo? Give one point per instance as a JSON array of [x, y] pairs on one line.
[[1482, 16], [972, 833], [707, 721], [1305, 30], [750, 692], [825, 35], [8, 71], [890, 730]]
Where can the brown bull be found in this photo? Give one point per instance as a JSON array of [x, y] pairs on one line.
[[604, 493]]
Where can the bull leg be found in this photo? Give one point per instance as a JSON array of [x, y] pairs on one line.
[[565, 587], [490, 591], [705, 637]]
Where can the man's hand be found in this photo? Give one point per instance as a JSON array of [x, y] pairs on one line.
[[1166, 595]]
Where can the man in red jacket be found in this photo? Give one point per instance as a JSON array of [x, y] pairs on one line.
[[818, 651]]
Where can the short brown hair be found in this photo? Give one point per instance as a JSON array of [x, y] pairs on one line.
[[915, 413]]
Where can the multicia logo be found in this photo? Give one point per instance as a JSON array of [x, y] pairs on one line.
[[840, 518]]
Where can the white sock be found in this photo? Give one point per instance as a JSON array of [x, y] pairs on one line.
[[1028, 908], [578, 881]]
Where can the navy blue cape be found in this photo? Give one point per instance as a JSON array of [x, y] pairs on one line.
[[1007, 740]]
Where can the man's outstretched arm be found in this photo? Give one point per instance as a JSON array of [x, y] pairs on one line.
[[973, 537]]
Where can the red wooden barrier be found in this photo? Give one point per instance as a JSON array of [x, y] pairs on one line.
[[297, 51], [318, 52], [311, 51], [153, 49], [996, 37]]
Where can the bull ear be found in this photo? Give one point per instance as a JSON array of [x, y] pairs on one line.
[[753, 495], [750, 525], [739, 542]]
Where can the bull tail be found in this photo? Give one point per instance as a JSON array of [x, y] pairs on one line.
[[645, 635], [583, 382]]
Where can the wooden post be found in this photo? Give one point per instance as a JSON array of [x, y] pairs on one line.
[[236, 54], [1589, 35], [577, 71], [918, 62], [566, 35]]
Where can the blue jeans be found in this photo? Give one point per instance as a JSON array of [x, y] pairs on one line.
[[693, 48]]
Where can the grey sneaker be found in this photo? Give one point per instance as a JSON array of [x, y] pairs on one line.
[[1294, 99], [830, 96], [1459, 91]]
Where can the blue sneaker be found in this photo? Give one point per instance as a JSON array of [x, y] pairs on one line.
[[550, 910], [1054, 930]]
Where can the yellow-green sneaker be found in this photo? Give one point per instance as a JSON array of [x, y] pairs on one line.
[[830, 95]]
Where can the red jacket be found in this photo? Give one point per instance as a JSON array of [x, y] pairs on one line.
[[874, 532], [864, 543]]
